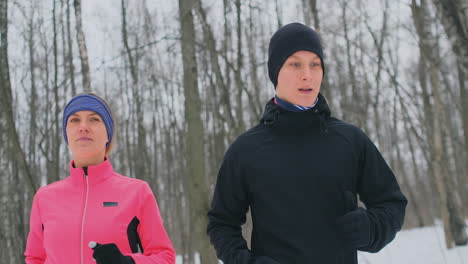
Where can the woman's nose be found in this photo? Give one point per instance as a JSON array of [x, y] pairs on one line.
[[83, 126]]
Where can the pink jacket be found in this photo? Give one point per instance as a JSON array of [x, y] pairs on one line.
[[102, 206]]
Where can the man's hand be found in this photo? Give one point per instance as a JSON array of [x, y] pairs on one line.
[[355, 225]]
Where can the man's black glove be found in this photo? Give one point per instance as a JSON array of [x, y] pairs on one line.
[[355, 225], [109, 254]]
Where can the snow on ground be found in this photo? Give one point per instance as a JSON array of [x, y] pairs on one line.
[[421, 245], [415, 246]]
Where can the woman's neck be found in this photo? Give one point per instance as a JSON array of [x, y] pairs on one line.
[[86, 162]]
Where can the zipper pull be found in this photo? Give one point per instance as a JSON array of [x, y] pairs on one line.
[[85, 169]]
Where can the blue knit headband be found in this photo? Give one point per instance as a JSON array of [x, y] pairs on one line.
[[87, 102]]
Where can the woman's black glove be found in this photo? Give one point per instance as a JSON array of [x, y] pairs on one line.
[[109, 254], [355, 225]]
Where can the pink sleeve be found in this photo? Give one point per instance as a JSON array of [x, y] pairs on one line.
[[157, 247], [35, 253]]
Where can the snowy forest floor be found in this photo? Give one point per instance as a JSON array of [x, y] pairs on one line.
[[420, 245], [414, 246]]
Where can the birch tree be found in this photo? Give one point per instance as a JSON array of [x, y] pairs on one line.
[[82, 48]]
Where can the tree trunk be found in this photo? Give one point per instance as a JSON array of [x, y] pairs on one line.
[[69, 58], [216, 67], [454, 17], [413, 201], [83, 50], [33, 93], [356, 107], [194, 144], [141, 150], [12, 228], [6, 99], [240, 127], [54, 173], [450, 212]]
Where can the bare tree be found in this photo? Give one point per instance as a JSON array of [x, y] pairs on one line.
[[311, 16], [454, 17], [83, 50], [7, 99], [450, 210], [141, 146], [55, 168], [69, 58], [194, 145], [12, 227]]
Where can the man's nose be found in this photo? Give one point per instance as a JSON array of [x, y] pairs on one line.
[[306, 74]]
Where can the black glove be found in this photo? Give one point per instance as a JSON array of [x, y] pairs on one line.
[[265, 260], [354, 226], [110, 254]]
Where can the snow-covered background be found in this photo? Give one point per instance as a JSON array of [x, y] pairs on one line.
[[414, 246], [418, 246]]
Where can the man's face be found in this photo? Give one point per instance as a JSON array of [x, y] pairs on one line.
[[300, 78]]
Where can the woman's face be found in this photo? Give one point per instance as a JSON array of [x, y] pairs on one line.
[[87, 135]]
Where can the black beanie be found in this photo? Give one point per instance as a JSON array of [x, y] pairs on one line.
[[287, 40]]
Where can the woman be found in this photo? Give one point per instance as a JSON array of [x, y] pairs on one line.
[[116, 215]]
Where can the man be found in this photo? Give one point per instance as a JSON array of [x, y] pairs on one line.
[[300, 171]]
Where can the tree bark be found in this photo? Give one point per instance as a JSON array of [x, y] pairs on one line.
[[83, 50], [454, 17], [356, 106], [33, 93], [216, 67], [325, 87], [17, 171], [141, 148], [194, 148], [69, 58], [450, 212], [6, 99], [54, 173]]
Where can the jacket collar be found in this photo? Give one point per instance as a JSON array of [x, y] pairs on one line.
[[96, 174], [275, 116]]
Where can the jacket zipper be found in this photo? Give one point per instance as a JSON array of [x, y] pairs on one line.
[[85, 174]]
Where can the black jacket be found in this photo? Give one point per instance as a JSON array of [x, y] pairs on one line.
[[293, 170]]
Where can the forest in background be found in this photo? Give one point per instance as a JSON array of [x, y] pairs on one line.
[[185, 78]]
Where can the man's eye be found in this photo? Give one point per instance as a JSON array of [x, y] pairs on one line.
[[295, 64], [95, 119], [74, 120]]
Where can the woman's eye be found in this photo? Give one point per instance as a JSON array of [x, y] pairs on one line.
[[295, 64], [95, 119], [73, 120]]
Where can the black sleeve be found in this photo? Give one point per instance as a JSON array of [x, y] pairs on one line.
[[379, 190], [228, 212]]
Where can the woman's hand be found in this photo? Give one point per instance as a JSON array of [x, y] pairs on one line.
[[109, 254]]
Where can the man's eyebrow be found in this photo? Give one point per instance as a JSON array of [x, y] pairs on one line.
[[297, 57]]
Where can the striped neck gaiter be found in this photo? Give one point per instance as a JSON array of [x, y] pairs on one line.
[[292, 107]]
